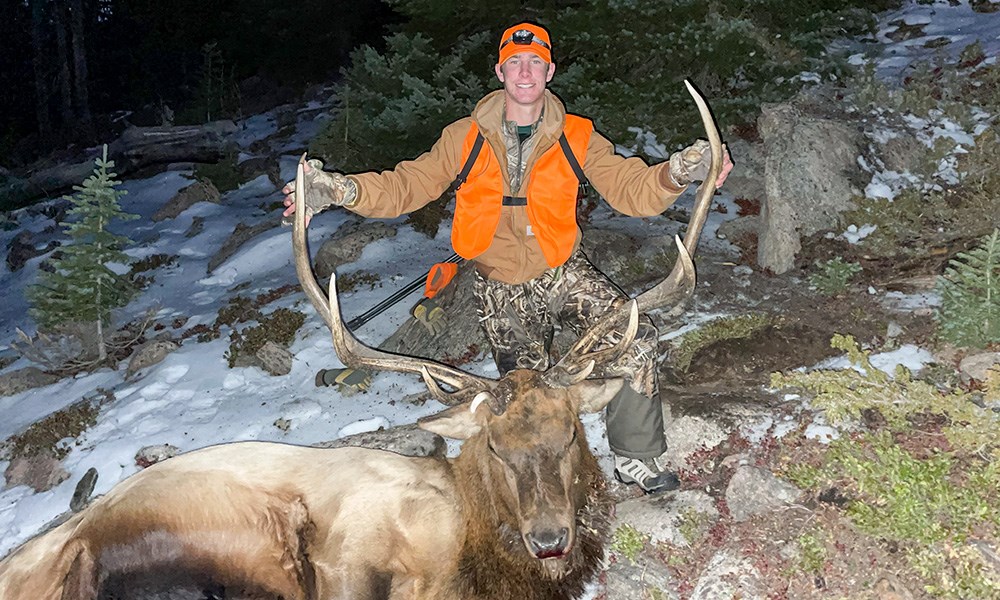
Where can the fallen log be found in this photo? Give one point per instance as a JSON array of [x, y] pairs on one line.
[[136, 148]]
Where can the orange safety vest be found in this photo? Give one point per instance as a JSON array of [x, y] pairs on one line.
[[551, 194]]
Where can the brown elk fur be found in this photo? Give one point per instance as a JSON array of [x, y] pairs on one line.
[[307, 523]]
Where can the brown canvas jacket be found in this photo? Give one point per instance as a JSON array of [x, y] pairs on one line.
[[628, 184]]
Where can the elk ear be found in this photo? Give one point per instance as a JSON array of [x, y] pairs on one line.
[[458, 422], [594, 394]]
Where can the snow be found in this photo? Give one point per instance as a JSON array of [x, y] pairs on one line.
[[855, 234], [192, 399]]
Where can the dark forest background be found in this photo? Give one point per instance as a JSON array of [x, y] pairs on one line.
[[73, 71], [76, 73]]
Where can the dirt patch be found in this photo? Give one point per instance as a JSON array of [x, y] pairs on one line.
[[44, 436]]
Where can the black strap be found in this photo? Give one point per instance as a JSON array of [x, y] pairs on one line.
[[473, 155], [515, 201], [573, 163], [477, 146]]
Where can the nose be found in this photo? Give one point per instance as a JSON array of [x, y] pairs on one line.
[[548, 543]]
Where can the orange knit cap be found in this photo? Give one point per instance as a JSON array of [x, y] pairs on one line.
[[525, 37]]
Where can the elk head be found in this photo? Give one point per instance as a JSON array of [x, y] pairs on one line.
[[523, 433]]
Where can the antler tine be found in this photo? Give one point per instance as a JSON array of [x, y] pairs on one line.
[[677, 287], [351, 351], [666, 292], [579, 353]]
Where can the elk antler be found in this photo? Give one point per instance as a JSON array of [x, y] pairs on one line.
[[351, 351], [678, 286]]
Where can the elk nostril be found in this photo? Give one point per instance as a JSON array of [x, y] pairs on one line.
[[548, 543]]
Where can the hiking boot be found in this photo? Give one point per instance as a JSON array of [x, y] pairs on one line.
[[645, 473]]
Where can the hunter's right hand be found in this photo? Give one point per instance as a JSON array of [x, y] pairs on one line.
[[323, 190]]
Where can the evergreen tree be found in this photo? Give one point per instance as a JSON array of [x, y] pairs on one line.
[[970, 296], [82, 288]]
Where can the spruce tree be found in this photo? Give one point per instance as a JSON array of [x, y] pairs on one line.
[[970, 296], [82, 288]]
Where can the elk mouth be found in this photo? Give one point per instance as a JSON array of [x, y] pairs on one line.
[[549, 544]]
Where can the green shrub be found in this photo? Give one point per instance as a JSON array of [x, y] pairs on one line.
[[224, 175], [927, 490], [831, 277], [393, 106], [279, 327], [620, 63], [718, 330], [845, 394], [970, 296], [628, 541]]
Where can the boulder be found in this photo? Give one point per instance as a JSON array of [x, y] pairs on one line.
[[199, 191], [148, 355], [40, 472], [807, 161], [275, 359], [25, 379], [347, 244]]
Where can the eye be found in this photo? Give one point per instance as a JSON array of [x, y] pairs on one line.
[[572, 439], [493, 451]]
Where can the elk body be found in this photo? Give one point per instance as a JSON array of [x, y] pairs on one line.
[[521, 513], [307, 523]]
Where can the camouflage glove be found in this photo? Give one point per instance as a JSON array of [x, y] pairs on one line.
[[430, 315], [349, 380], [325, 189], [691, 163]]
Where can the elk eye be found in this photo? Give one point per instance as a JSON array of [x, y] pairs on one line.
[[572, 439], [493, 450]]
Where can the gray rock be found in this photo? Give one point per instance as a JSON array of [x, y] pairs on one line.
[[976, 366], [739, 227], [687, 435], [40, 472], [148, 355], [408, 440], [347, 244], [241, 234], [903, 153], [24, 247], [746, 180], [199, 191], [25, 379], [84, 488], [611, 251], [150, 455], [669, 518], [805, 178], [753, 491], [276, 359], [643, 579], [728, 576]]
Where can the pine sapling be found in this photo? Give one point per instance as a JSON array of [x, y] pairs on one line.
[[970, 296], [82, 288]]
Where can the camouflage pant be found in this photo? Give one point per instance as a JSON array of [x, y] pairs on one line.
[[520, 320]]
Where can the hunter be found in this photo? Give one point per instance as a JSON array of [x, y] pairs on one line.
[[519, 160]]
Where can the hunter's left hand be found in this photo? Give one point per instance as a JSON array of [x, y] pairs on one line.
[[692, 163]]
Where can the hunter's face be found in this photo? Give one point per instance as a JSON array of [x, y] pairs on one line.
[[524, 76]]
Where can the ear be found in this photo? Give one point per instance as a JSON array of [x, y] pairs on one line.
[[551, 72], [499, 72], [594, 394], [458, 422]]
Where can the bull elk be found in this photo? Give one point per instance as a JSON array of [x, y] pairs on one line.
[[520, 513]]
